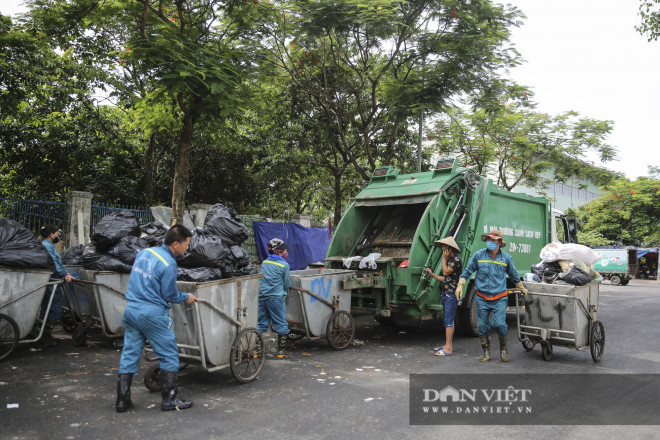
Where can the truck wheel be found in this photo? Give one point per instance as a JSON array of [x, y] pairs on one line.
[[615, 280], [466, 315]]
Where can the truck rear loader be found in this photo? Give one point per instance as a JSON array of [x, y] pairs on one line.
[[399, 216]]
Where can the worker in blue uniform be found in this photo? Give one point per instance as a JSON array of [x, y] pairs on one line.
[[492, 265], [51, 236], [273, 289], [151, 287]]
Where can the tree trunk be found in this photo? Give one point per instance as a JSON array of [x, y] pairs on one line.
[[182, 166], [149, 171], [337, 216]]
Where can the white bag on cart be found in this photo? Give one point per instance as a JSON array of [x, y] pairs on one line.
[[571, 251]]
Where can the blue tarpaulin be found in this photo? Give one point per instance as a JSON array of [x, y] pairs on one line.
[[306, 245], [642, 252]]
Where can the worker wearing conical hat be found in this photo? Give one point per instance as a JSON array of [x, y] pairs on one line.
[[451, 269]]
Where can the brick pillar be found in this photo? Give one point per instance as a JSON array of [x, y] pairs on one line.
[[198, 212], [303, 220], [79, 217]]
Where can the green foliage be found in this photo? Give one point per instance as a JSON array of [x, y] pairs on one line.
[[649, 10], [503, 135], [593, 239], [628, 213], [371, 66]]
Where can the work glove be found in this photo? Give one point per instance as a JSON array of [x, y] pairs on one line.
[[459, 288], [521, 287]]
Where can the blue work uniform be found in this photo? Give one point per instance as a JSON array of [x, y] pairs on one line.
[[490, 285], [273, 289], [55, 312], [151, 287]]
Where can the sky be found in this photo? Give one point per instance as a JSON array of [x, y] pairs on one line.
[[585, 56]]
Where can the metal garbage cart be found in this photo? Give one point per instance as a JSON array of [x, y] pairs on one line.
[[561, 315], [97, 300], [21, 293], [218, 331], [318, 306]]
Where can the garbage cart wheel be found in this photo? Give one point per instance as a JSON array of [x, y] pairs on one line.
[[527, 343], [9, 335], [152, 377], [615, 280], [245, 362], [546, 351], [79, 335], [295, 336], [340, 330], [597, 341], [68, 324]]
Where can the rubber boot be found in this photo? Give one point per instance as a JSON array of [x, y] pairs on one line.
[[485, 344], [170, 392], [504, 353], [124, 401], [281, 347]]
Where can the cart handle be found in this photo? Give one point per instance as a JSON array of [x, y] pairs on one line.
[[21, 296], [221, 312], [76, 280], [328, 303]]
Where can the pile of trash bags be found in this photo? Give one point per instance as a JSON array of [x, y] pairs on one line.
[[214, 250], [565, 264], [20, 249]]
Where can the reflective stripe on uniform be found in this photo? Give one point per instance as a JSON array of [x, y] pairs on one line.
[[272, 262], [491, 298], [159, 256], [491, 261]]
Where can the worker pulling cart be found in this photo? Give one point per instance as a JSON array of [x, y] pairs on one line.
[[562, 315], [218, 331]]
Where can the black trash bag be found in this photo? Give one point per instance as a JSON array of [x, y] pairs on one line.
[[90, 257], [222, 221], [199, 274], [108, 263], [250, 269], [154, 233], [127, 248], [73, 256], [19, 248], [575, 276], [205, 250], [113, 227], [239, 256], [546, 271]]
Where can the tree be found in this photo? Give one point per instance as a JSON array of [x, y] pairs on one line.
[[503, 135], [190, 53], [628, 213], [369, 66], [649, 10]]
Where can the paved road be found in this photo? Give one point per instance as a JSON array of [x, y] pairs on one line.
[[362, 392]]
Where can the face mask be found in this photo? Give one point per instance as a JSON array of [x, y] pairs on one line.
[[285, 255], [56, 239], [491, 245]]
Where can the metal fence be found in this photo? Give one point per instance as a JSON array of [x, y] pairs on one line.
[[34, 214], [143, 215]]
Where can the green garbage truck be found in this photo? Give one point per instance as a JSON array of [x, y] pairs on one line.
[[617, 265], [399, 216]]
